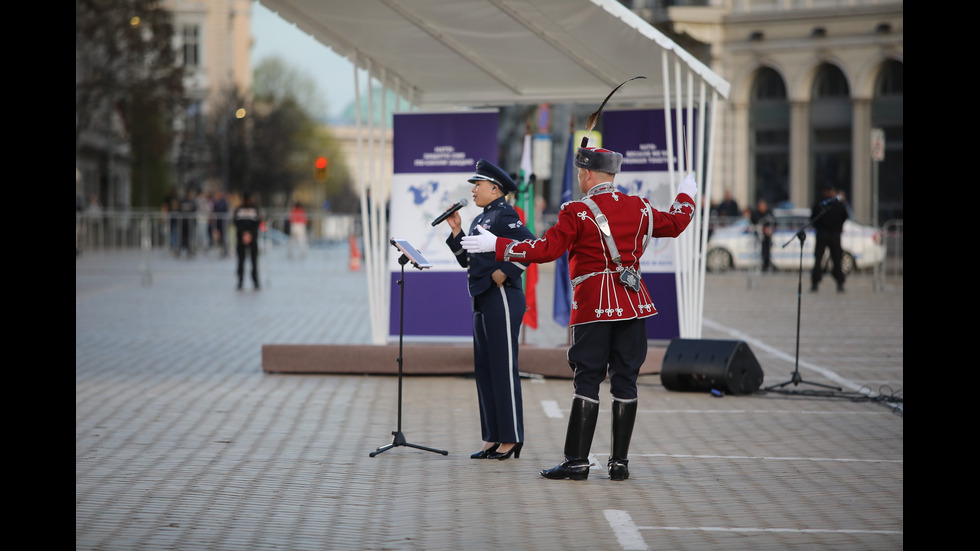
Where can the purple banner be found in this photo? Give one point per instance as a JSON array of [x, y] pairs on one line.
[[434, 154], [665, 325], [641, 136], [441, 142]]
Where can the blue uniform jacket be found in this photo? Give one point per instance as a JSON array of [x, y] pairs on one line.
[[502, 220]]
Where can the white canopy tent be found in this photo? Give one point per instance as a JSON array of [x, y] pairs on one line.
[[459, 54]]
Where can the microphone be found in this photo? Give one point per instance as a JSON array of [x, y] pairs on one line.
[[830, 200], [456, 206]]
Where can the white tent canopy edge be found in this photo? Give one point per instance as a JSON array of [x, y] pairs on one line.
[[487, 53]]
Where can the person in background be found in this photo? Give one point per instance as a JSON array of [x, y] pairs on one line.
[[827, 217], [499, 304], [202, 233], [188, 222], [79, 209], [219, 214], [170, 210], [297, 230], [728, 207], [247, 219], [765, 224], [605, 234], [94, 222]]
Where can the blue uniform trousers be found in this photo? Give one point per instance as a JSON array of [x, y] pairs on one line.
[[497, 315]]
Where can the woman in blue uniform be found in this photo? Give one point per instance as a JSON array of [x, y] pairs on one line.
[[498, 307]]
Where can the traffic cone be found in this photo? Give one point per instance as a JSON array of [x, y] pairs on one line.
[[355, 255]]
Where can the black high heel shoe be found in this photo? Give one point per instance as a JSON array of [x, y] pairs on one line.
[[515, 451], [484, 454]]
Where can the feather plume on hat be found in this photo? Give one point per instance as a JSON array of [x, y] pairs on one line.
[[597, 158], [594, 117]]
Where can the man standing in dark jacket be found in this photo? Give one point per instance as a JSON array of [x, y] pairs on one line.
[[827, 217], [764, 223], [247, 219]]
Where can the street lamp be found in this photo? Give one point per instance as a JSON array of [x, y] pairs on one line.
[[134, 23], [225, 148]]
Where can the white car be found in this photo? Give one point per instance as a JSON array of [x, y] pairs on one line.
[[738, 246]]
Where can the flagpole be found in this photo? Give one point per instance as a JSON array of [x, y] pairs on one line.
[[561, 304], [526, 198]]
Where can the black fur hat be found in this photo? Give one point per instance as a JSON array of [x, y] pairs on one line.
[[599, 159]]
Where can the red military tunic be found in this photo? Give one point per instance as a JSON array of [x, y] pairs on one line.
[[598, 293]]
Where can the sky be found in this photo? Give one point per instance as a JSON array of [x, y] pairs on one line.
[[333, 74]]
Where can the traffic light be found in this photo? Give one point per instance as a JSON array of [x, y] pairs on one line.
[[322, 169]]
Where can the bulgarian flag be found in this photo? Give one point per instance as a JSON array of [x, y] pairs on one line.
[[525, 208], [562, 306]]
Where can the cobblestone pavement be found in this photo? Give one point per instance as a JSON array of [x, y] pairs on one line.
[[182, 442]]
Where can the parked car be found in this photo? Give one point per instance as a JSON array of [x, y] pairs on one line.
[[738, 246]]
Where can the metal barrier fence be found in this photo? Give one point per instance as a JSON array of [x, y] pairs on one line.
[[194, 233]]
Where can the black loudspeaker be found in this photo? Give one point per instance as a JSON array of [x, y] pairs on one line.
[[704, 365]]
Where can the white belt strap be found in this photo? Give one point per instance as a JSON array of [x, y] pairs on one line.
[[603, 223], [604, 228]]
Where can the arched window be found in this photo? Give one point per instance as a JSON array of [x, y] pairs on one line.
[[769, 137], [830, 131], [886, 114]]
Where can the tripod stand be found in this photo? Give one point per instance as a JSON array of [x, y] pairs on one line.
[[797, 378], [408, 254]]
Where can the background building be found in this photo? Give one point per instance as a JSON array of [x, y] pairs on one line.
[[214, 41], [115, 50], [810, 81]]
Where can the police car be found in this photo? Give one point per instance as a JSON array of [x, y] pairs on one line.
[[738, 246]]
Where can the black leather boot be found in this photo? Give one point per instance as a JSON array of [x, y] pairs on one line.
[[578, 442], [623, 418]]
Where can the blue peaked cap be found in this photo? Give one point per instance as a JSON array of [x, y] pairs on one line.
[[485, 170]]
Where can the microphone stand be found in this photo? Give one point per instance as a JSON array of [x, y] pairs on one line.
[[399, 437], [797, 378]]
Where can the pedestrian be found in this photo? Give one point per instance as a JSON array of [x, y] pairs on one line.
[[247, 218], [827, 217], [297, 230], [728, 208], [202, 234], [79, 209], [188, 222], [171, 211], [498, 301], [219, 212], [94, 221], [604, 234], [765, 224]]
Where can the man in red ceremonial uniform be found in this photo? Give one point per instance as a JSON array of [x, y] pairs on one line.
[[605, 234]]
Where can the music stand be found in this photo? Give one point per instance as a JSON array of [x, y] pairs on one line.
[[796, 378], [409, 254]]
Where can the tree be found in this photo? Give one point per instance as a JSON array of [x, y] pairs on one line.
[[126, 71], [229, 140], [276, 81], [286, 138]]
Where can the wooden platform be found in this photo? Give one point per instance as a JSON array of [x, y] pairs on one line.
[[417, 359]]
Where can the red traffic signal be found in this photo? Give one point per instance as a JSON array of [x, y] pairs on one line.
[[320, 173]]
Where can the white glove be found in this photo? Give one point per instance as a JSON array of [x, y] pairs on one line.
[[482, 242], [689, 186]]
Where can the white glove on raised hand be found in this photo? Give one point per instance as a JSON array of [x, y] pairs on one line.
[[689, 186], [482, 242]]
